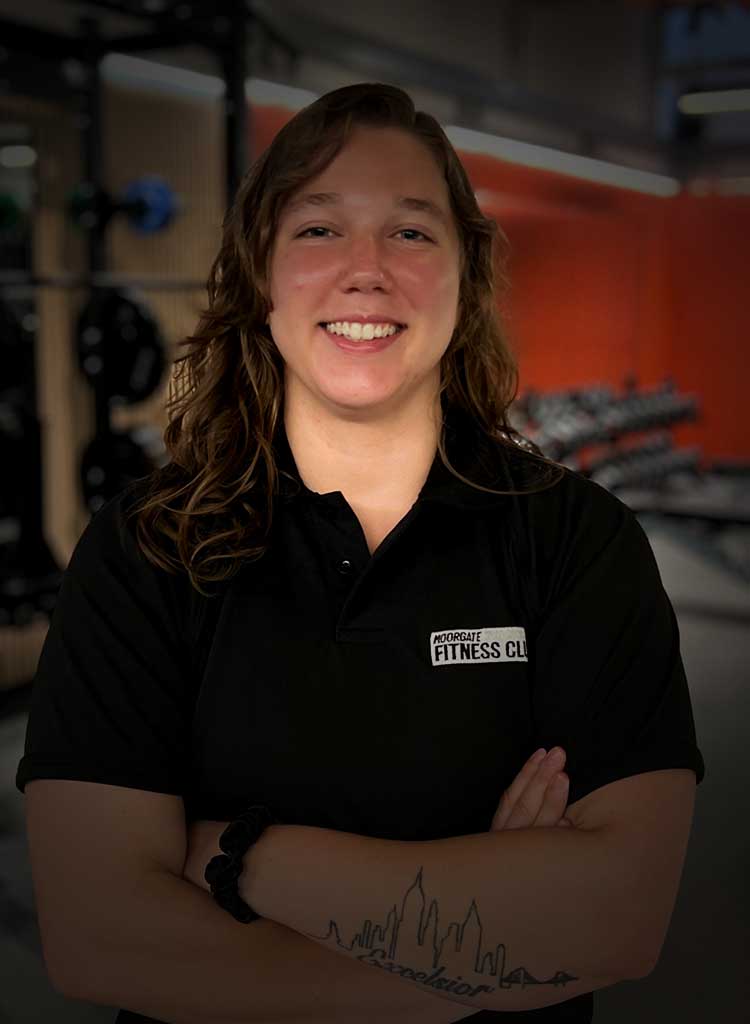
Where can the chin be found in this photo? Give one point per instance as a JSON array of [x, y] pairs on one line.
[[342, 401]]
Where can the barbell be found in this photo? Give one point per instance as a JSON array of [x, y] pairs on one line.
[[148, 203]]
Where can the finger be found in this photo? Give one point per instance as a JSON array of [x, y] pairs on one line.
[[512, 793], [554, 803], [530, 800]]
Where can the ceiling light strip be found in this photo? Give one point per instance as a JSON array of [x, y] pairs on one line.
[[131, 71]]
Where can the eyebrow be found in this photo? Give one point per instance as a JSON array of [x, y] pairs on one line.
[[403, 202]]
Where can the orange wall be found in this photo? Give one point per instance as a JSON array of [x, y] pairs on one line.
[[607, 282], [710, 329]]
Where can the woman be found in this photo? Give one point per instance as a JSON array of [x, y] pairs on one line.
[[409, 601], [370, 423]]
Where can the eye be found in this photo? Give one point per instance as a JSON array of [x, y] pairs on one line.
[[415, 232], [302, 233], [412, 231]]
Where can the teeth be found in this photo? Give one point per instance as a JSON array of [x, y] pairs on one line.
[[364, 332]]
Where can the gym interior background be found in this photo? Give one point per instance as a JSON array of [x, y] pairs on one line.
[[611, 143]]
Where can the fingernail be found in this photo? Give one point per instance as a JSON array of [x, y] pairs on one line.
[[538, 755], [556, 755]]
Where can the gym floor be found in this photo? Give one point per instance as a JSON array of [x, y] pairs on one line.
[[702, 974]]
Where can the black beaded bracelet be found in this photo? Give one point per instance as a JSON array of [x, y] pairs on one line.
[[222, 872]]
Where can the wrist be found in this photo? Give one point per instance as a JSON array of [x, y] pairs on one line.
[[254, 884], [223, 872]]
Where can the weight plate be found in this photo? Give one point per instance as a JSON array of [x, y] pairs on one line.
[[151, 204], [119, 345], [111, 462]]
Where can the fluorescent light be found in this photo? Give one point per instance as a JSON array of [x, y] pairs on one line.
[[258, 90], [15, 157], [123, 69], [135, 71], [714, 102], [584, 167]]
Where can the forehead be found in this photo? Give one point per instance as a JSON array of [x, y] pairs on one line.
[[385, 169], [418, 204]]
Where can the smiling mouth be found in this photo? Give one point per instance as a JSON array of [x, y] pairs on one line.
[[399, 327]]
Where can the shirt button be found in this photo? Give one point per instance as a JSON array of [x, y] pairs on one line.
[[345, 567]]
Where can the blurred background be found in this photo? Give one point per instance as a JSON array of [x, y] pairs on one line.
[[611, 142]]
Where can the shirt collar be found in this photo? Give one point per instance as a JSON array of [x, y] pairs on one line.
[[474, 454]]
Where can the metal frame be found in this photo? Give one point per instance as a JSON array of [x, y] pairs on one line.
[[21, 282], [227, 26]]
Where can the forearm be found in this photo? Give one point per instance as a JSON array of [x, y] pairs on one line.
[[511, 920], [181, 959]]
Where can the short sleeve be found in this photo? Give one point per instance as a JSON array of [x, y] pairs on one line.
[[110, 700], [608, 681]]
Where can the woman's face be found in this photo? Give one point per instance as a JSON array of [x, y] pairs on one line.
[[366, 254]]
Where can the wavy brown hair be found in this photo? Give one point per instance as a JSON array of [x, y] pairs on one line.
[[210, 507]]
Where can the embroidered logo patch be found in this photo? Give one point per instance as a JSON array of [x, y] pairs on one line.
[[478, 646]]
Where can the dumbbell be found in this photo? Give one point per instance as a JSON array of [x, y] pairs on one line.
[[148, 203]]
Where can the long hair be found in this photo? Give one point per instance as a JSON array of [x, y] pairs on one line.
[[210, 508]]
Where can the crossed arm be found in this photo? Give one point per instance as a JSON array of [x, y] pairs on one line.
[[509, 920]]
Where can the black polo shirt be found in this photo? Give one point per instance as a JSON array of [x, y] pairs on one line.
[[393, 695]]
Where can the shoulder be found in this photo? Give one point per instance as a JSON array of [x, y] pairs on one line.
[[109, 533], [109, 565], [561, 500], [109, 549], [571, 523]]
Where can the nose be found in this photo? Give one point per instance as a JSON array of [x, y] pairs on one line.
[[366, 269], [365, 281]]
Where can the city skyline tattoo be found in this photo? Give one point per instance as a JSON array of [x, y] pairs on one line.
[[379, 944]]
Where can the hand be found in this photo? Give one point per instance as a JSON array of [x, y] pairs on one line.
[[202, 845], [534, 799]]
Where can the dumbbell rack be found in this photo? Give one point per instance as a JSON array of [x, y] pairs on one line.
[[591, 429]]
